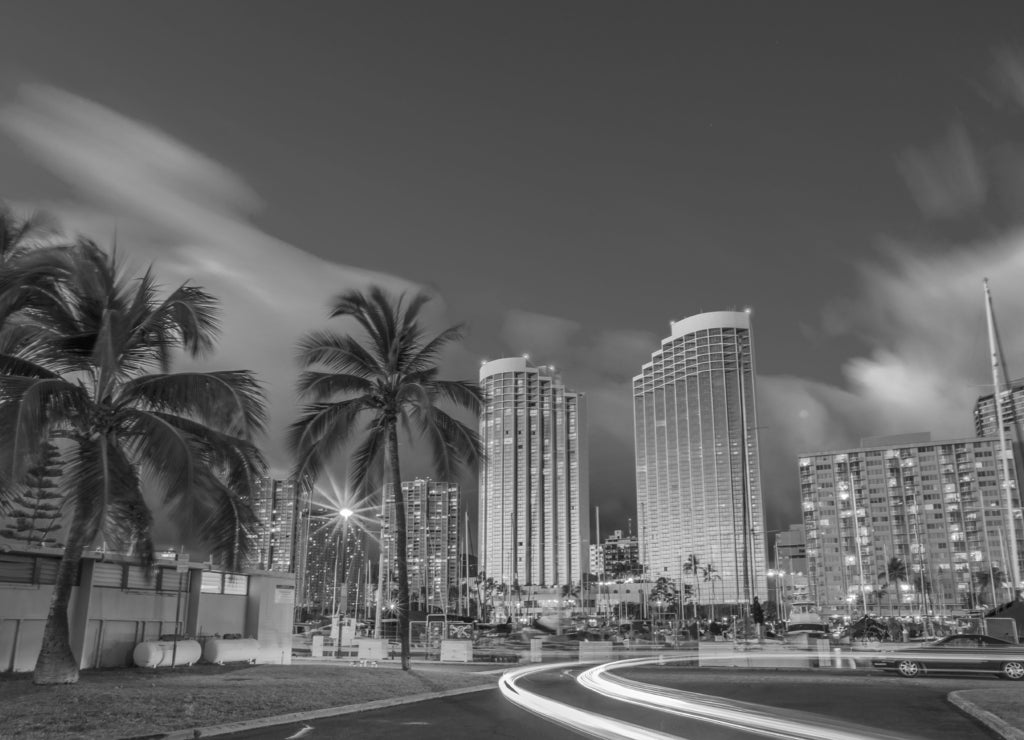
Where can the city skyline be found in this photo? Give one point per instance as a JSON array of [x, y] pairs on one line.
[[850, 180]]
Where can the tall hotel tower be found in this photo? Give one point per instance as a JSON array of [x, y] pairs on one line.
[[698, 478], [534, 487]]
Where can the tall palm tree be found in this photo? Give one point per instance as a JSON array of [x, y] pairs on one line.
[[95, 375], [989, 580], [389, 380], [895, 572], [693, 567], [710, 573]]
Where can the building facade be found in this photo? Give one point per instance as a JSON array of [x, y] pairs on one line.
[[986, 422], [937, 507], [621, 556], [534, 489], [432, 541], [697, 466], [334, 578], [280, 506]]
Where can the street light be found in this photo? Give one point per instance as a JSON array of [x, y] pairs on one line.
[[344, 514]]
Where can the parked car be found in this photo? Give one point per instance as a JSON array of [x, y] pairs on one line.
[[957, 653]]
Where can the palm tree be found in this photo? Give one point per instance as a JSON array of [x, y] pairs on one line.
[[989, 580], [711, 575], [693, 567], [391, 380], [895, 571], [95, 375]]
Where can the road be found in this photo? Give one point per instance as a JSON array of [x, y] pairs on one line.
[[873, 701]]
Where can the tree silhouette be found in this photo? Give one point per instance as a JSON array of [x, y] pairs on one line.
[[35, 513]]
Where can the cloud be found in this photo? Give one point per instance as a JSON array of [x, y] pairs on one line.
[[920, 313], [174, 207], [946, 180]]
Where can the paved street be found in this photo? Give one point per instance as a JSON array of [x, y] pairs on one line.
[[914, 709]]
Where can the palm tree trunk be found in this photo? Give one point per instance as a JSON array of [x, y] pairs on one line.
[[400, 542], [56, 663]]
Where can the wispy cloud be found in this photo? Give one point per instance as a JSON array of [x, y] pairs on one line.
[[175, 207]]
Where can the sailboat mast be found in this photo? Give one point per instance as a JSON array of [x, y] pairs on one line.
[[997, 398]]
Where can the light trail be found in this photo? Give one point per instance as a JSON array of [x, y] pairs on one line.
[[579, 720], [784, 724], [755, 719]]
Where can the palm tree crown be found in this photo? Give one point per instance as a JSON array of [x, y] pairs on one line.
[[91, 370], [373, 386]]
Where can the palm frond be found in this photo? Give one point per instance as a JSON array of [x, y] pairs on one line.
[[454, 445], [367, 471], [29, 408], [336, 352], [325, 386], [163, 442], [320, 430], [232, 401], [102, 477], [427, 356], [227, 525], [190, 315], [463, 393], [162, 446]]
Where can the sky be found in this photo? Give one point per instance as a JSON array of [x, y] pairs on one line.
[[565, 178]]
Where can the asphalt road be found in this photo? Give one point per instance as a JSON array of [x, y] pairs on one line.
[[911, 708]]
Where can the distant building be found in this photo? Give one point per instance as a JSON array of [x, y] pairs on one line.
[[698, 475], [621, 556], [432, 541], [334, 578], [534, 487], [596, 559], [791, 549], [278, 505], [986, 423], [936, 506]]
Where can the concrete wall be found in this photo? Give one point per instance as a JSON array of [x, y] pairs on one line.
[[107, 621]]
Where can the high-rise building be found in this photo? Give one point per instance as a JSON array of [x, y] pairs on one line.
[[432, 541], [534, 488], [937, 507], [278, 506], [698, 475], [985, 422]]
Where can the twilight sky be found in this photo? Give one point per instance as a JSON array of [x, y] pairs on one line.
[[568, 178]]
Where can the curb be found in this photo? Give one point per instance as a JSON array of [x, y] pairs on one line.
[[284, 719], [994, 723]]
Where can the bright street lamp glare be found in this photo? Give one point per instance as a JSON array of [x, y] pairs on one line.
[[345, 513]]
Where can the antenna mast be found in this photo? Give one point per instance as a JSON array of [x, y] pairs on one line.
[[997, 398]]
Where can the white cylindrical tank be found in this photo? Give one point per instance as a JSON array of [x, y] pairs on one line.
[[220, 651], [156, 653]]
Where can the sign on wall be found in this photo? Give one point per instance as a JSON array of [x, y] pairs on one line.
[[284, 594]]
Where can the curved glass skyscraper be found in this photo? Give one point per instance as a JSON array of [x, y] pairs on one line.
[[698, 477]]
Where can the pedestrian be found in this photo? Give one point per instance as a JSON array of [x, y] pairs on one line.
[[757, 612]]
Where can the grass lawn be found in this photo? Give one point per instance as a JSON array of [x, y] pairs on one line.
[[128, 702], [1007, 703]]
